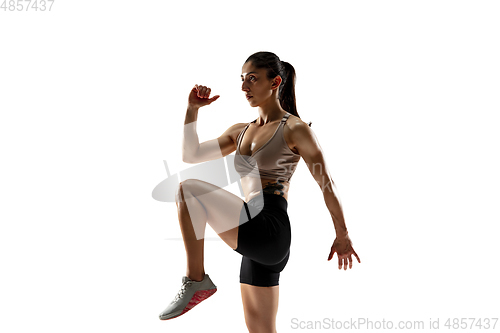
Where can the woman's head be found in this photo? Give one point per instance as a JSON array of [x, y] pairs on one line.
[[267, 65], [272, 73]]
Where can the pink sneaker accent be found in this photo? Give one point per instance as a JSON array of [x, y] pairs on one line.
[[197, 298]]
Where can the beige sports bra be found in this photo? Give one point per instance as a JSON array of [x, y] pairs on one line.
[[273, 160]]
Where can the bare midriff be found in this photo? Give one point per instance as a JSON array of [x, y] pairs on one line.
[[254, 186]]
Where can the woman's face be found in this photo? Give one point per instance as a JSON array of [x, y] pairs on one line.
[[256, 84]]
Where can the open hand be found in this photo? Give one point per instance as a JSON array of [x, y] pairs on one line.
[[343, 247], [198, 96]]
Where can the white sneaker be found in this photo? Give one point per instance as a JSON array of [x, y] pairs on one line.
[[191, 294]]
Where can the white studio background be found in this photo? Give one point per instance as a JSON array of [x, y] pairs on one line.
[[403, 97]]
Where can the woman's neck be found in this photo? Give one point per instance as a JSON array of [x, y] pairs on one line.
[[269, 113]]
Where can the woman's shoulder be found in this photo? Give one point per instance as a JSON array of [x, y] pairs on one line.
[[237, 127], [295, 123], [295, 129]]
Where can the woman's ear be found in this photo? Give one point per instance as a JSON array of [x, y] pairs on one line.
[[276, 82]]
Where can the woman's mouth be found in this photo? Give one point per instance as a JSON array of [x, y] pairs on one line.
[[248, 97]]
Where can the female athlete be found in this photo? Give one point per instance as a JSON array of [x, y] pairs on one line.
[[267, 152]]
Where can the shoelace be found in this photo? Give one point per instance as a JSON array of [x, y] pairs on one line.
[[182, 291]]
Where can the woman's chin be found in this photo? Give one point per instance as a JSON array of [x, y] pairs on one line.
[[251, 102]]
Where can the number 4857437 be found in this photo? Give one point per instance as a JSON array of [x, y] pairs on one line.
[[26, 5]]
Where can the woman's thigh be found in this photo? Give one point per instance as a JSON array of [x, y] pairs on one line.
[[260, 305], [221, 208]]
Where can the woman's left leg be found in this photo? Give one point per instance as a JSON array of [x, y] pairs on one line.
[[260, 305]]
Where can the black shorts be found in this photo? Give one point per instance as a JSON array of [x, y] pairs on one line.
[[264, 238]]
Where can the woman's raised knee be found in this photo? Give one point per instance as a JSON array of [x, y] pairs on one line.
[[189, 182], [180, 193]]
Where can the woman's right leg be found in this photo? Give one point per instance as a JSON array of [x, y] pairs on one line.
[[260, 305], [198, 203]]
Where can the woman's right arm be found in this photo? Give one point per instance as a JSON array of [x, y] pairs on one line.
[[192, 150]]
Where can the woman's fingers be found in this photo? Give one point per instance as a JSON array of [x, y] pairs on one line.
[[345, 260], [332, 252], [214, 98], [356, 255], [344, 257], [203, 91], [200, 96]]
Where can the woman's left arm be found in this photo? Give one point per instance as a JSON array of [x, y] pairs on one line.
[[308, 147]]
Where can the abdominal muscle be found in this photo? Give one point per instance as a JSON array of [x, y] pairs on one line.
[[253, 187]]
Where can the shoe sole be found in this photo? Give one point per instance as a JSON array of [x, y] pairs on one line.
[[197, 298]]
